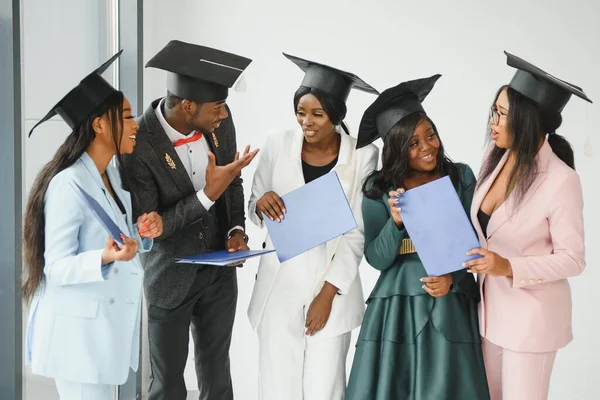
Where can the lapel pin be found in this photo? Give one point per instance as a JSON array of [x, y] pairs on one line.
[[170, 161]]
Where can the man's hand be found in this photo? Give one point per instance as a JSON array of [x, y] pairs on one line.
[[218, 178], [237, 243]]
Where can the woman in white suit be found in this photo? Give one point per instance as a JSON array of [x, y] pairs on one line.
[[305, 308], [84, 290]]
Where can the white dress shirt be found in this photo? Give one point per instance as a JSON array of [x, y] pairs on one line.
[[194, 156]]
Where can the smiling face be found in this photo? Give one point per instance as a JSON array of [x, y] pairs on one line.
[[500, 133], [123, 131], [423, 148], [205, 117], [313, 119], [130, 128]]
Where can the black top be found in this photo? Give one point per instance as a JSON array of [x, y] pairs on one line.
[[311, 172], [484, 220]]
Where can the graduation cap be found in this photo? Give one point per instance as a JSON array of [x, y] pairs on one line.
[[81, 101], [330, 80], [391, 106], [546, 90], [198, 73]]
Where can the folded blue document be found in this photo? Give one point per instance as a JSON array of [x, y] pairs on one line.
[[223, 257], [111, 227], [438, 226], [316, 213]]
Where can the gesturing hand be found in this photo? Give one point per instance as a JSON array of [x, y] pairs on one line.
[[219, 177]]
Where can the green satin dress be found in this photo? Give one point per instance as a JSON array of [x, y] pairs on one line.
[[413, 346]]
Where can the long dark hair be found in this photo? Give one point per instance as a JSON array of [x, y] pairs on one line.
[[527, 124], [394, 158], [66, 155], [334, 107]]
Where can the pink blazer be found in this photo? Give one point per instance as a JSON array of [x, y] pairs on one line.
[[544, 241]]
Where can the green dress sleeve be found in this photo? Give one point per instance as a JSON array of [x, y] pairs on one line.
[[382, 237]]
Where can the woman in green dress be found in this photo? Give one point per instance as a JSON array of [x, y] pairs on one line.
[[419, 338]]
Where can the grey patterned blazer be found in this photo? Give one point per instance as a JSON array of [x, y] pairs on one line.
[[158, 181]]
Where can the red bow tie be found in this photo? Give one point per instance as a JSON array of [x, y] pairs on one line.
[[193, 138]]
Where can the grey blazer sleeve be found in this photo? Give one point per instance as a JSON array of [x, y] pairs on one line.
[[236, 190], [145, 191]]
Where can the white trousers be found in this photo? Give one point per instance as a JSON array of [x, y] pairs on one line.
[[292, 365], [517, 376], [84, 391]]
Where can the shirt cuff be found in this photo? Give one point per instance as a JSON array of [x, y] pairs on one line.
[[235, 228], [206, 202], [106, 269]]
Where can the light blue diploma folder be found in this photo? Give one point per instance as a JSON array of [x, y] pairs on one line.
[[106, 221], [316, 213], [223, 257], [438, 226]]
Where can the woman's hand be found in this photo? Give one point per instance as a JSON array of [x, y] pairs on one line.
[[437, 286], [490, 263], [394, 209], [271, 205], [112, 252], [320, 309], [150, 225]]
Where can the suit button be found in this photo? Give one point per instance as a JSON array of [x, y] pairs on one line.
[[200, 236], [523, 282], [111, 301], [539, 281], [531, 282], [116, 270], [264, 245]]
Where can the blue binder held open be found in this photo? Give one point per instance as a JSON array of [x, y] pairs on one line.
[[438, 225], [316, 213]]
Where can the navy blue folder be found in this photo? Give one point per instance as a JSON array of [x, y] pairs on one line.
[[222, 258], [111, 227]]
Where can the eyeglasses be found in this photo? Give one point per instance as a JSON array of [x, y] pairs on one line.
[[495, 115]]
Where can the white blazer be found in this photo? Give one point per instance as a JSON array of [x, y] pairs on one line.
[[280, 170], [83, 325]]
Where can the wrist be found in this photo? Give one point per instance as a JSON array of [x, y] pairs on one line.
[[329, 290], [509, 270], [240, 233], [105, 258]]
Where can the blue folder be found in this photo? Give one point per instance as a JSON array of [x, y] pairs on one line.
[[222, 258], [316, 213], [438, 226], [111, 227]]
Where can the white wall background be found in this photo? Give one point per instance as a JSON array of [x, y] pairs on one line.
[[386, 42]]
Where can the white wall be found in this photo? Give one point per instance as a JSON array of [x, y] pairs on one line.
[[386, 42]]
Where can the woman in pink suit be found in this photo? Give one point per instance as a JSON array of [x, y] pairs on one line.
[[528, 213]]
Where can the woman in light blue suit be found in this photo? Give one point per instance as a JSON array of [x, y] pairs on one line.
[[84, 290]]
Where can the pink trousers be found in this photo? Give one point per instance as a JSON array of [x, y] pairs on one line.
[[517, 376]]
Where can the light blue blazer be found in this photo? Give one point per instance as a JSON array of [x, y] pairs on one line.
[[84, 321]]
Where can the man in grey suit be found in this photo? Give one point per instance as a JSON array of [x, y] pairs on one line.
[[186, 167]]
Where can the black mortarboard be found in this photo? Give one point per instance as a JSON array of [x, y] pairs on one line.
[[330, 80], [198, 73], [391, 106], [81, 101], [546, 90]]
